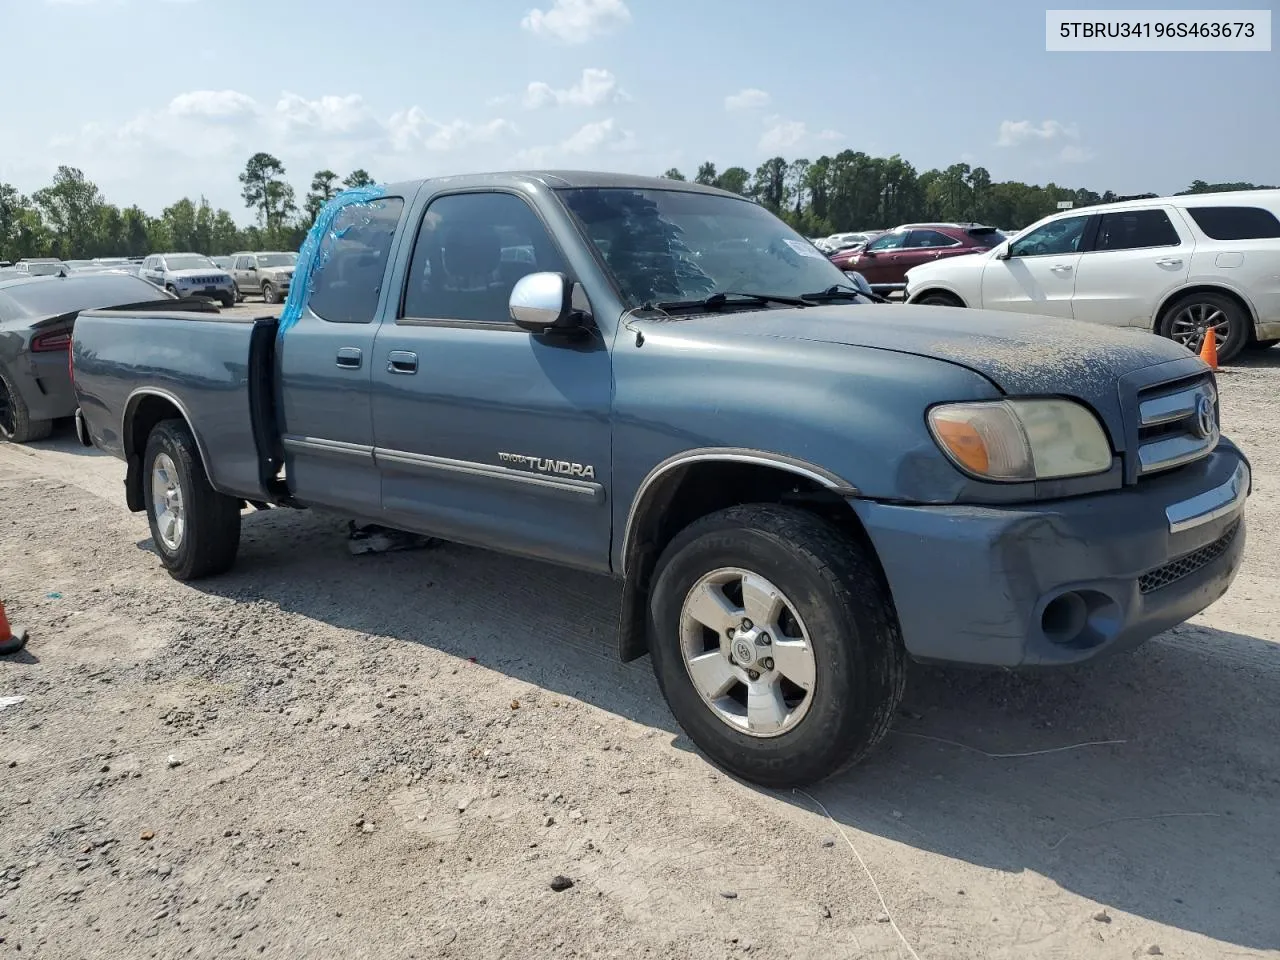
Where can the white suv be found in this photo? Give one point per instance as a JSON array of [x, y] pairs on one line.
[[1175, 266]]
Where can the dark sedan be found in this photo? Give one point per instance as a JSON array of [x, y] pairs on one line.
[[36, 316]]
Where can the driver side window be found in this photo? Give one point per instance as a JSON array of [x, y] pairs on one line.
[[1053, 239], [890, 241]]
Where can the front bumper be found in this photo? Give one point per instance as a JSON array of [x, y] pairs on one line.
[[1063, 581], [215, 290]]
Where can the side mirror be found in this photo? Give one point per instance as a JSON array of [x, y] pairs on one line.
[[867, 253], [543, 302], [1004, 252], [252, 269], [859, 281]]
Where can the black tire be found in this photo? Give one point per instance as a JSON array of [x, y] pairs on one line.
[[836, 588], [268, 293], [16, 425], [235, 288], [938, 298], [211, 535], [170, 288], [228, 301], [1236, 319]]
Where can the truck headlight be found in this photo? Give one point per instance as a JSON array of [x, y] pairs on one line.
[[1015, 441]]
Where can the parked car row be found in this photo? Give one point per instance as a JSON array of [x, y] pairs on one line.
[[886, 259], [1175, 266]]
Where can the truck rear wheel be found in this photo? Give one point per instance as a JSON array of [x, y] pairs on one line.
[[775, 643], [195, 529]]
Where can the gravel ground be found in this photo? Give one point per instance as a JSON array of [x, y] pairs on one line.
[[396, 756]]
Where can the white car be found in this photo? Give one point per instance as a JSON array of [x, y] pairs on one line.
[[1173, 265]]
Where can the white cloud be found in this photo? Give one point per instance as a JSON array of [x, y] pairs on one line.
[[782, 135], [748, 99], [217, 105], [588, 140], [830, 135], [577, 21], [412, 129], [1014, 133], [595, 88]]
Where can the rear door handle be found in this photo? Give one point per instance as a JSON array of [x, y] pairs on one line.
[[1170, 262], [402, 361], [350, 358]]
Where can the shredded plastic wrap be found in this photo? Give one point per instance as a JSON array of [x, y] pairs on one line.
[[310, 261]]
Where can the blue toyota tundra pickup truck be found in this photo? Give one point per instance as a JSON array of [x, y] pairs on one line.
[[663, 382]]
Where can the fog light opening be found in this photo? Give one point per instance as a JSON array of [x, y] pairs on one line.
[[1065, 618]]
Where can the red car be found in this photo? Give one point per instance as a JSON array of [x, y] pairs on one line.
[[885, 260]]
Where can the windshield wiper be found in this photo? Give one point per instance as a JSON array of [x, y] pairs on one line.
[[842, 293], [718, 301]]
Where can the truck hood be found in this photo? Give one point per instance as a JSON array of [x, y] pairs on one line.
[[1022, 355]]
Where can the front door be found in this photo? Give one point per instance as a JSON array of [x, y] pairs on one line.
[[246, 274], [325, 359], [880, 260], [485, 433], [1039, 275]]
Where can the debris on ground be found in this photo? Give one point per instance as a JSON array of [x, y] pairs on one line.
[[372, 538], [560, 883]]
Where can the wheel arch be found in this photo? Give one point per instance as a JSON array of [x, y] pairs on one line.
[[691, 485], [146, 407], [1206, 287], [938, 288]]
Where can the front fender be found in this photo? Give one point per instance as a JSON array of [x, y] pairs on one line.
[[853, 418]]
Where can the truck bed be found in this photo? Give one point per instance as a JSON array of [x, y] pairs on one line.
[[132, 368]]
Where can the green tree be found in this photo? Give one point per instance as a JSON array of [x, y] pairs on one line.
[[706, 174], [735, 180], [357, 178], [324, 184], [264, 189], [673, 174], [70, 206], [769, 186]]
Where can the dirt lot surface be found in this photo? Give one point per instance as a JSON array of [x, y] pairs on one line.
[[393, 756]]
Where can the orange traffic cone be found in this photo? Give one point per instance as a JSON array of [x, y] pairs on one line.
[[1209, 349], [11, 641]]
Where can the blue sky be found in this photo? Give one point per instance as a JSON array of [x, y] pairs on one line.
[[157, 99]]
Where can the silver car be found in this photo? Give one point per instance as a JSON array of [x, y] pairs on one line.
[[269, 274], [189, 275]]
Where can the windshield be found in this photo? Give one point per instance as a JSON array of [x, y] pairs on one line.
[[665, 245], [44, 268], [277, 259], [188, 262], [88, 291]]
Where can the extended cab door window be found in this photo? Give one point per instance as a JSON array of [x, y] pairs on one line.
[[1138, 258], [346, 278]]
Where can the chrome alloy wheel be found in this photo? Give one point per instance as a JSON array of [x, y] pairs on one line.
[[167, 502], [1192, 322], [747, 652]]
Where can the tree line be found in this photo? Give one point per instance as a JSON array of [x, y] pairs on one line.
[[853, 191], [71, 218]]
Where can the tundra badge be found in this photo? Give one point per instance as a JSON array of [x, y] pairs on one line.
[[544, 465]]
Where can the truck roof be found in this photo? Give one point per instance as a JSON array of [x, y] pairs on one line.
[[560, 179]]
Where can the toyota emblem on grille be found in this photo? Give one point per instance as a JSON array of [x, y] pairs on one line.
[[1204, 416]]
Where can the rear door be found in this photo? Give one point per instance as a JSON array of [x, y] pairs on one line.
[[1136, 259], [324, 362], [926, 246], [486, 433], [150, 271], [1039, 274]]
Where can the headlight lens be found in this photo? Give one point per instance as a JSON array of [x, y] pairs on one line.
[[1015, 441]]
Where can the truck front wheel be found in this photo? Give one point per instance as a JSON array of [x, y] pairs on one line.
[[775, 643], [195, 529]]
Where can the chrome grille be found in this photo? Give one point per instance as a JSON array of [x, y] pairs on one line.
[[1185, 566], [1177, 424]]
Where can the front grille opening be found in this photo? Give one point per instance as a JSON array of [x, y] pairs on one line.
[[1185, 566]]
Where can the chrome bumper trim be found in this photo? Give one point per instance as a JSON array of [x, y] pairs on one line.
[[1211, 505]]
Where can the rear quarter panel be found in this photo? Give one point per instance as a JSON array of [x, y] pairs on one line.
[[199, 362]]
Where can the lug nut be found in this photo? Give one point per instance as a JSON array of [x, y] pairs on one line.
[[729, 633], [753, 675], [768, 663], [746, 624], [763, 640]]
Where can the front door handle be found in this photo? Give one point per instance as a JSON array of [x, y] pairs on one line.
[[1170, 262], [350, 358], [1061, 268], [402, 361]]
